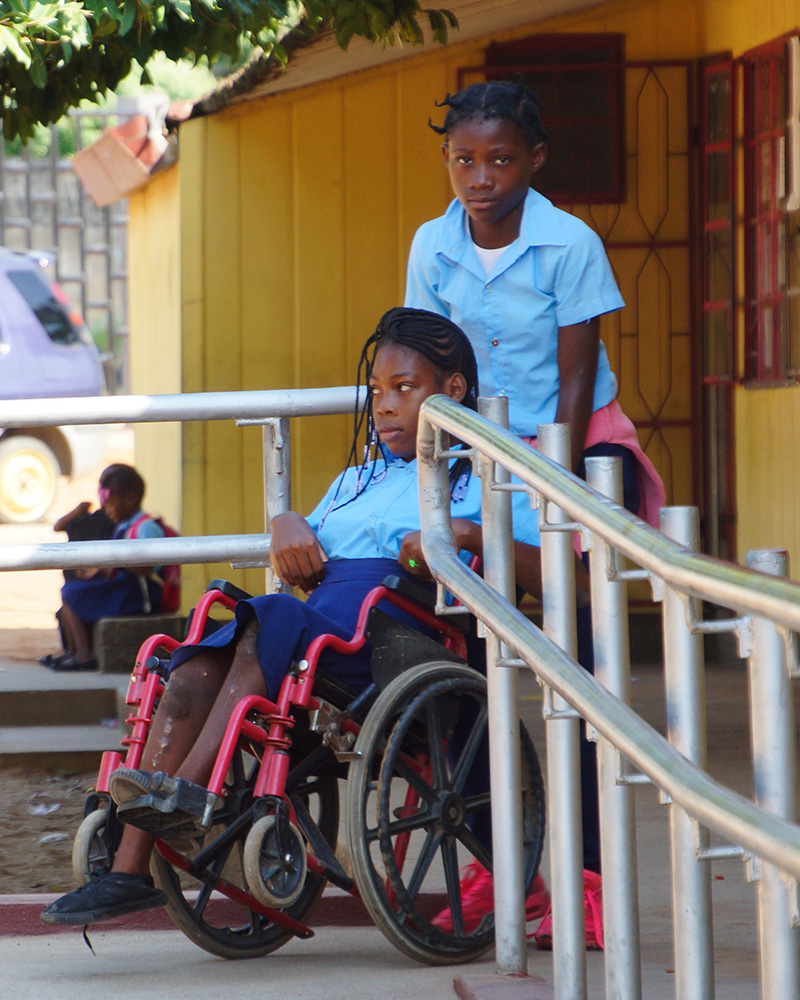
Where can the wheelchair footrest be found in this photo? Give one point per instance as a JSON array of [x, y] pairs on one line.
[[182, 809]]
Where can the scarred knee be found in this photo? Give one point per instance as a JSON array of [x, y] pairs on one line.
[[194, 686]]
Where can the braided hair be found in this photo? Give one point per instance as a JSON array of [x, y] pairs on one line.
[[447, 348], [491, 100]]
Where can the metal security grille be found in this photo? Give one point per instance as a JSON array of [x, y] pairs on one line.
[[649, 240], [43, 207]]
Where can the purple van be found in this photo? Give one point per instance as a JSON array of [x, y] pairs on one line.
[[45, 351]]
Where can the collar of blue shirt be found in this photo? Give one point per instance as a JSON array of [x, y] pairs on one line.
[[541, 226]]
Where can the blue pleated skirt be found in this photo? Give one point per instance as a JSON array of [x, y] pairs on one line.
[[287, 625], [101, 597]]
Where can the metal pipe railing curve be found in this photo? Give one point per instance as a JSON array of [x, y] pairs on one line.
[[726, 812], [745, 590]]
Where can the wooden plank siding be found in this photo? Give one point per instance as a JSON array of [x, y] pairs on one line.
[[155, 316]]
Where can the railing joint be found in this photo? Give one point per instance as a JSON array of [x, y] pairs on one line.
[[705, 851], [549, 713], [744, 637], [718, 626], [623, 775], [569, 526], [791, 645]]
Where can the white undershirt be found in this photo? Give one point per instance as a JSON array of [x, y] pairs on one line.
[[488, 258]]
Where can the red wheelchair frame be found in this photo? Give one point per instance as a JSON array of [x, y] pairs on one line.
[[263, 729]]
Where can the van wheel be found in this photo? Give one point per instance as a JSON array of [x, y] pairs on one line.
[[29, 474]]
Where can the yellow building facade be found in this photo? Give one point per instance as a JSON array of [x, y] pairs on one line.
[[265, 257]]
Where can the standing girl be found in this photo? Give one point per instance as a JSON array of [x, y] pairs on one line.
[[527, 283]]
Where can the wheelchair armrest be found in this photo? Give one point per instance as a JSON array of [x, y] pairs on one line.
[[423, 597], [229, 590]]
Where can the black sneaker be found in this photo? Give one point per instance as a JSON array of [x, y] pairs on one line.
[[111, 895]]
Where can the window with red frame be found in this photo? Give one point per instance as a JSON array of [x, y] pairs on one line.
[[772, 268], [717, 186], [580, 83]]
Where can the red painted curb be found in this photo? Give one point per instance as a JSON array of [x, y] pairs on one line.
[[20, 915]]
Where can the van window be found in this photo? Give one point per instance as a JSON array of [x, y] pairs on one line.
[[36, 291]]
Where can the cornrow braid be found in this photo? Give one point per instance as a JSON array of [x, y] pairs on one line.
[[494, 99], [447, 348]]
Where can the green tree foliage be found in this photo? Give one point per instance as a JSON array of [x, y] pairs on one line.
[[55, 54]]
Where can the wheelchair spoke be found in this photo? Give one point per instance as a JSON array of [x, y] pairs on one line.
[[450, 863], [476, 848], [405, 769], [202, 900], [414, 821], [474, 803], [436, 746], [470, 750], [424, 862]]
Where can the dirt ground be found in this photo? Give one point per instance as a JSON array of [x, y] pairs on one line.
[[40, 812]]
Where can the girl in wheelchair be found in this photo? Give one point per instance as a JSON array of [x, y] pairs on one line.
[[364, 528]]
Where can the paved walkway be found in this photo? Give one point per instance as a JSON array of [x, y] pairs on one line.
[[356, 961]]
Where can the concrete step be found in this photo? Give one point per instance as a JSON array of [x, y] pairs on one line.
[[32, 695], [57, 748], [58, 722]]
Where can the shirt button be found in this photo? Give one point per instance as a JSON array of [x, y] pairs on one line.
[[495, 342], [488, 288]]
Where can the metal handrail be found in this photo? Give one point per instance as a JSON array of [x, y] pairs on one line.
[[701, 576], [765, 830], [239, 550], [252, 405], [715, 806]]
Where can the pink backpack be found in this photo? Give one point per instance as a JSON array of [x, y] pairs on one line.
[[170, 575]]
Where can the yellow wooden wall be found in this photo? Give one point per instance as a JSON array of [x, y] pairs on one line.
[[154, 263], [767, 421]]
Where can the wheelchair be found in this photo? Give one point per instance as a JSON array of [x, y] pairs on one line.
[[410, 754]]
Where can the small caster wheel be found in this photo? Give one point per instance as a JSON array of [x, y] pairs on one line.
[[275, 879], [91, 855]]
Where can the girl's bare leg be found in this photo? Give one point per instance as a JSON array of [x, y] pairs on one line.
[[189, 726], [79, 640], [244, 678], [184, 708]]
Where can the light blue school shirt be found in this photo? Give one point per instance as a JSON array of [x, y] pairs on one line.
[[148, 529], [374, 525], [554, 274]]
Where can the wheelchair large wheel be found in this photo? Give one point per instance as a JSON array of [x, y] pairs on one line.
[[216, 923], [418, 810]]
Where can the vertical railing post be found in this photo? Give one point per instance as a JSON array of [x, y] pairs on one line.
[[686, 730], [563, 746], [277, 481], [772, 733], [617, 815], [503, 693]]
